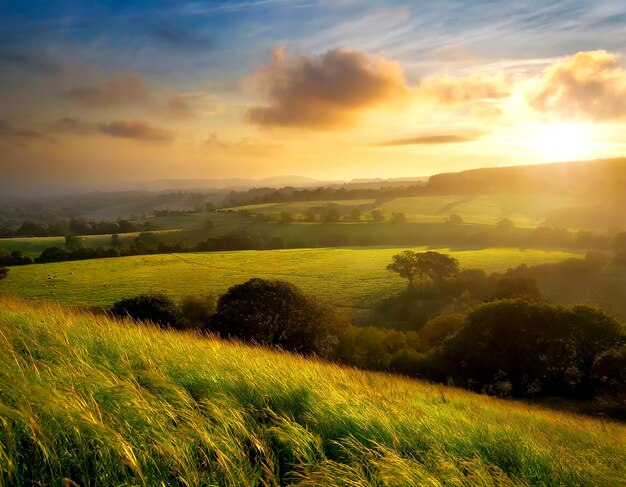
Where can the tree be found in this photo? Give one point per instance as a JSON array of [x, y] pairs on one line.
[[309, 216], [274, 312], [355, 215], [397, 218], [454, 219], [155, 308], [73, 242], [285, 217], [592, 332], [116, 241], [377, 216], [424, 265], [52, 254], [4, 272], [516, 287], [198, 310], [405, 264], [331, 215]]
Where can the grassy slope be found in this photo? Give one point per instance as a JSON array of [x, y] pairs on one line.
[[350, 278], [99, 402]]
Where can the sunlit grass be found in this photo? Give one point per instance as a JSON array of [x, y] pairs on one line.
[[344, 277], [101, 403]]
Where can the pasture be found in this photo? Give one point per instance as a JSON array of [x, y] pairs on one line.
[[351, 278]]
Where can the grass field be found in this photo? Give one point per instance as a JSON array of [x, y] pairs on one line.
[[86, 400], [33, 246], [344, 277], [524, 211]]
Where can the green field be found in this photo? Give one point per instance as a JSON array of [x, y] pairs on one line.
[[525, 211], [33, 246], [87, 400], [345, 277]]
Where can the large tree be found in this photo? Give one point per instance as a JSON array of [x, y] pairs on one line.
[[274, 312], [424, 266]]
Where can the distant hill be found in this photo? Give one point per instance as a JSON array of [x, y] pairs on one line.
[[227, 184], [605, 177]]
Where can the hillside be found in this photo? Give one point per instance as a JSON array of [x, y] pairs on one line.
[[87, 400]]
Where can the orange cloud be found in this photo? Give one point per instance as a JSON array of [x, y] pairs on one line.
[[243, 146], [476, 87], [133, 129], [588, 85], [324, 91], [435, 139], [120, 90]]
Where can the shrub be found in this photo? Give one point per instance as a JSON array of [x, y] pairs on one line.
[[198, 310], [155, 308], [4, 272]]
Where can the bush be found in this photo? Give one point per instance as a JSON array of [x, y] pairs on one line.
[[198, 310], [4, 272], [274, 312], [155, 308]]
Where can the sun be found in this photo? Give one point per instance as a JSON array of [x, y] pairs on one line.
[[564, 142]]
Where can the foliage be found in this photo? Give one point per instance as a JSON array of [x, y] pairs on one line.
[[154, 308], [535, 347], [424, 266], [4, 272], [198, 310], [274, 312]]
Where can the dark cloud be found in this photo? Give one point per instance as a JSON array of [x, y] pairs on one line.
[[434, 139], [181, 38], [38, 62], [74, 125], [7, 130], [124, 89], [588, 85], [324, 91], [133, 129]]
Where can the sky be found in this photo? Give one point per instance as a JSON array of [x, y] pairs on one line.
[[106, 94]]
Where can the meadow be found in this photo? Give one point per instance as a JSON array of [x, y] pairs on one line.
[[522, 210], [88, 400], [350, 278]]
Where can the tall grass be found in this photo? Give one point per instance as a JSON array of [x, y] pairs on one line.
[[93, 401]]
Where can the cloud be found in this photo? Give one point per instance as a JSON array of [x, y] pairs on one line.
[[243, 146], [177, 106], [123, 89], [434, 139], [133, 129], [324, 91], [477, 87], [7, 130], [38, 62], [587, 85], [181, 38]]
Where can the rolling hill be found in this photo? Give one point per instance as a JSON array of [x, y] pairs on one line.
[[86, 400]]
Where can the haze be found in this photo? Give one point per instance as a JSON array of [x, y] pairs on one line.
[[99, 94]]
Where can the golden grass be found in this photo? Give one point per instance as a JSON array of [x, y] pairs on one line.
[[95, 401]]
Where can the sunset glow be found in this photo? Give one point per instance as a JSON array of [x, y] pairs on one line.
[[93, 91]]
